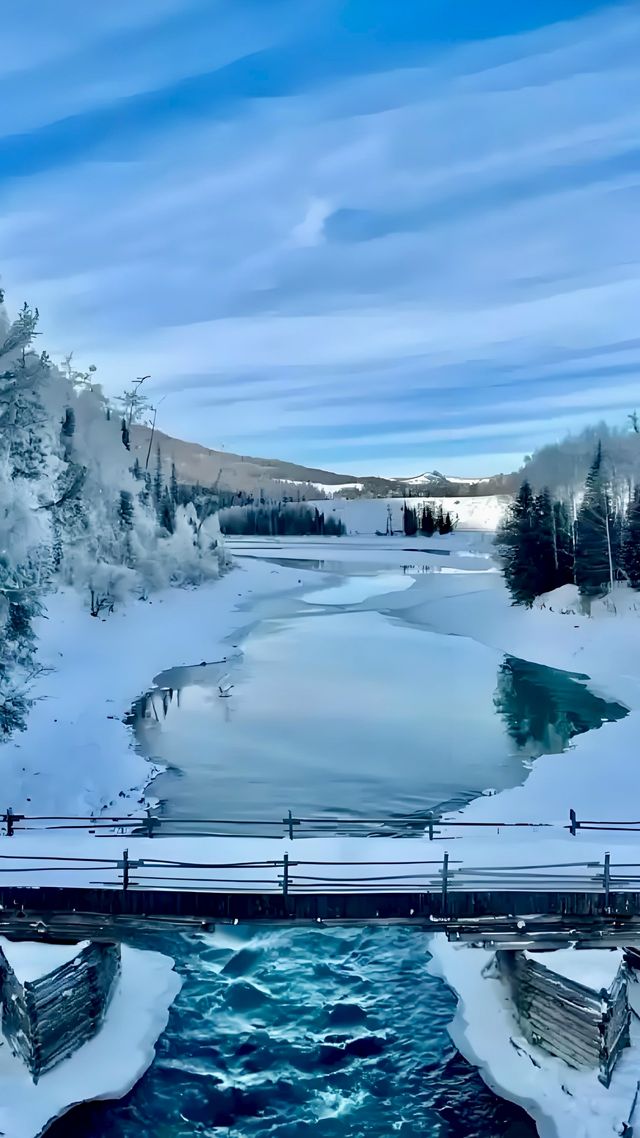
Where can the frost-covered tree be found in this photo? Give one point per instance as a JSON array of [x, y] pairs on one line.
[[67, 431], [631, 541], [25, 528], [72, 510]]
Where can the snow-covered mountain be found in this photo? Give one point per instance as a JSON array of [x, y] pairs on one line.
[[199, 464]]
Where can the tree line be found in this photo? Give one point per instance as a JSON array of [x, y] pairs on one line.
[[427, 520], [280, 521], [544, 544]]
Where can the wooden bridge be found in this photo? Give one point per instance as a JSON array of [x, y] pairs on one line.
[[80, 886]]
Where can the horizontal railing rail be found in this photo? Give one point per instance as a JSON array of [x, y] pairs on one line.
[[153, 825], [288, 875]]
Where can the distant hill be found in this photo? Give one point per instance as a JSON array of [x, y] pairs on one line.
[[235, 472]]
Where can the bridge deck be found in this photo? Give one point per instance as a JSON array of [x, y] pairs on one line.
[[119, 880], [503, 918]]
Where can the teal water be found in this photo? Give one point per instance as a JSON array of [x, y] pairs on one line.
[[355, 713], [286, 1033]]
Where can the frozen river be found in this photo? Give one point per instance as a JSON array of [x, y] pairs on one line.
[[340, 707]]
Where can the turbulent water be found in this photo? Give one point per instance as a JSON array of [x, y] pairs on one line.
[[291, 1032]]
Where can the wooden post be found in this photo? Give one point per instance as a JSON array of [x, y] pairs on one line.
[[445, 883], [607, 878], [9, 822], [573, 825], [125, 870], [431, 827], [289, 821], [285, 875]]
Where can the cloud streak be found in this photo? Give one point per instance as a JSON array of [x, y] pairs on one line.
[[306, 221]]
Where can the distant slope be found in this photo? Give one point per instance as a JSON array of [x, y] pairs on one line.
[[367, 516], [199, 464]]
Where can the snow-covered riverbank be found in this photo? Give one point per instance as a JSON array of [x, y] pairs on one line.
[[76, 756], [564, 1103]]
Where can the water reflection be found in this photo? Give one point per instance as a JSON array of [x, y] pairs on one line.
[[544, 708]]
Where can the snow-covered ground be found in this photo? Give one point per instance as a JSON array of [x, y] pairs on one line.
[[111, 1063], [368, 515]]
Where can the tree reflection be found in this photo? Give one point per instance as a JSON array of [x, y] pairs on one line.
[[543, 708]]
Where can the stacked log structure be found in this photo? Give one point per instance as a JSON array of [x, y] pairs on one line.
[[45, 1020], [584, 1027]]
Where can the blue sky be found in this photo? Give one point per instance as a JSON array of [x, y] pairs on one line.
[[362, 234]]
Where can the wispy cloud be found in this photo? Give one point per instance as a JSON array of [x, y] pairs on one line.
[[308, 221]]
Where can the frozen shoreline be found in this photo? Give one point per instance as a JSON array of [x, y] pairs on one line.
[[97, 667]]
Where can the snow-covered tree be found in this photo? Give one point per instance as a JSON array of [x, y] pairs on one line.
[[72, 510]]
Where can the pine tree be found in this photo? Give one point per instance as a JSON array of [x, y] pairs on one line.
[[126, 516], [440, 519], [173, 485], [546, 554], [124, 432], [428, 523], [631, 541], [167, 515], [136, 470], [410, 521], [158, 480], [517, 542], [594, 525]]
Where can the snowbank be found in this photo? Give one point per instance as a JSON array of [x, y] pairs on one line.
[[30, 960], [77, 755], [564, 1103], [106, 1067], [595, 969]]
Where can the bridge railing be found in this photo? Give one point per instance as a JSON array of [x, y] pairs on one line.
[[292, 875], [290, 826]]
